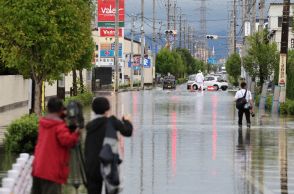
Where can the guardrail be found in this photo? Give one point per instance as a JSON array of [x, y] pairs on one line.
[[19, 179]]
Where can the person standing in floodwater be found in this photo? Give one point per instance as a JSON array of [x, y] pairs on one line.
[[96, 131]]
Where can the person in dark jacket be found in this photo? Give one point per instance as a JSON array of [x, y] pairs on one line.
[[94, 140], [52, 152]]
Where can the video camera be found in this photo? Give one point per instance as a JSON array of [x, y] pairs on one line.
[[74, 117]]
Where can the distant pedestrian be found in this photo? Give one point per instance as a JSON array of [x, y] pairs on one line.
[[247, 107], [52, 152], [96, 132], [199, 80]]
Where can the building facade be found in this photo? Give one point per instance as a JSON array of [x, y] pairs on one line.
[[275, 14], [104, 57]]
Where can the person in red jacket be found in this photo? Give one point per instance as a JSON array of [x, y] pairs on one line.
[[52, 152]]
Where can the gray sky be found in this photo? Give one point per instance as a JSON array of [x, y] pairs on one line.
[[216, 10]]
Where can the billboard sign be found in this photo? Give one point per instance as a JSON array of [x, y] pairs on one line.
[[136, 63], [109, 53], [110, 32], [106, 12]]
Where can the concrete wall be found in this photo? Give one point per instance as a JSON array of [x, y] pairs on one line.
[[15, 90]]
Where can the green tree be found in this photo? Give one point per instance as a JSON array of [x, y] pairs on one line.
[[192, 65], [43, 39], [262, 57], [170, 62], [233, 67]]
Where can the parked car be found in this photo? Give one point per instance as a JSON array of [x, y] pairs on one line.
[[217, 81], [192, 83], [169, 82], [210, 80]]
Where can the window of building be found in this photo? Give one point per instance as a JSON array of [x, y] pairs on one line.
[[280, 21], [292, 43]]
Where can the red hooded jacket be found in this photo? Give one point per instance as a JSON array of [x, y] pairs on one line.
[[52, 152]]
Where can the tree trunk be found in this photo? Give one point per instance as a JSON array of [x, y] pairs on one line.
[[74, 82], [38, 98], [81, 80]]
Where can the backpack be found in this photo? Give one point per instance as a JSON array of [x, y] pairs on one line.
[[110, 160], [241, 102]]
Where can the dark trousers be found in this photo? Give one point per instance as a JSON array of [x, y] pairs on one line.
[[42, 186], [247, 115], [95, 186]]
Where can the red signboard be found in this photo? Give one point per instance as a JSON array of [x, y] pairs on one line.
[[109, 32], [106, 10]]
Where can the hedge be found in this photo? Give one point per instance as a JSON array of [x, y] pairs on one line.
[[21, 134], [85, 98]]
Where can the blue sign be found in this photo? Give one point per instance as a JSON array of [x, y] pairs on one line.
[[109, 53], [211, 60], [147, 64]]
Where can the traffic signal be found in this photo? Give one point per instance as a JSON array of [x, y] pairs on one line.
[[171, 32], [211, 37]]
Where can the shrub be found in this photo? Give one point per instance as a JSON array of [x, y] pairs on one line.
[[21, 134], [85, 98], [269, 103]]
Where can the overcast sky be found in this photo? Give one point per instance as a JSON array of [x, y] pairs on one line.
[[217, 14]]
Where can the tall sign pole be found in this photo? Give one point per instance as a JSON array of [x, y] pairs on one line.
[[142, 44], [116, 64], [284, 50]]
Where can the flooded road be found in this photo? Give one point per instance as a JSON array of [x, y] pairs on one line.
[[187, 143]]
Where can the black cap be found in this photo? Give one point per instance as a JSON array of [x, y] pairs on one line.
[[100, 105]]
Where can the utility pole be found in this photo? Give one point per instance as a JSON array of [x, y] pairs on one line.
[[189, 38], [235, 23], [142, 44], [153, 28], [132, 52], [154, 44], [116, 64], [253, 17], [168, 24], [180, 30], [284, 50], [184, 33], [261, 15], [175, 23]]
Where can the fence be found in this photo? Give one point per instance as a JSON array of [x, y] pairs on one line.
[[19, 179]]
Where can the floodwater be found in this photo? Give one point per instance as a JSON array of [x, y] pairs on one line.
[[189, 142]]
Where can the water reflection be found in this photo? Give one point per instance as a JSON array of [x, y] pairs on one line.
[[189, 143]]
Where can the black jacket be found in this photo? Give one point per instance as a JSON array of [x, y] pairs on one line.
[[94, 141]]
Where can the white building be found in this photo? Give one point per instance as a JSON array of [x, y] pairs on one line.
[[275, 13], [102, 60]]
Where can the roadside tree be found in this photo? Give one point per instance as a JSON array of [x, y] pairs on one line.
[[262, 57], [233, 67], [43, 39]]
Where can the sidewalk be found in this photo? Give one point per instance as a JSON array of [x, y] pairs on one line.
[[7, 117]]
